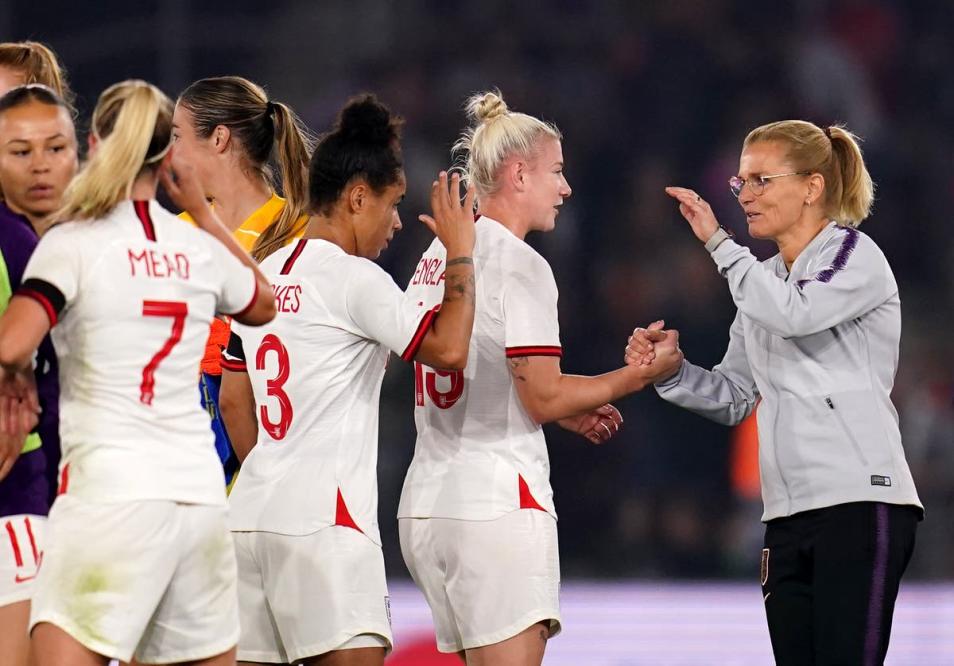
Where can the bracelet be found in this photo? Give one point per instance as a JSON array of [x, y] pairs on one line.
[[716, 239]]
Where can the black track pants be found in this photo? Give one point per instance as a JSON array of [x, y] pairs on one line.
[[830, 578]]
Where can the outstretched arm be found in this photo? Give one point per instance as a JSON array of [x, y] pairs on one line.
[[850, 277], [549, 395], [726, 394], [182, 185]]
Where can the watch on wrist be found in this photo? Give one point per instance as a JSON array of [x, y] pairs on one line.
[[715, 240]]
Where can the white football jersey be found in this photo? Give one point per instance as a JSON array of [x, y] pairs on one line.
[[131, 296], [478, 454], [316, 372]]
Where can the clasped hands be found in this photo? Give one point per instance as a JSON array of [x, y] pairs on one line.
[[655, 351], [19, 414]]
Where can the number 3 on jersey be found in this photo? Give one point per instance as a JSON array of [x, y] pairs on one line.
[[273, 387], [425, 379]]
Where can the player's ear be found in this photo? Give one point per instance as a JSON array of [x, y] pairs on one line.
[[358, 197], [516, 172], [221, 137]]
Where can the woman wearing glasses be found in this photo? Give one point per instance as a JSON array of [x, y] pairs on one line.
[[816, 338]]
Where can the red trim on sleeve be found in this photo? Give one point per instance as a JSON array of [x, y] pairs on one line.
[[233, 365], [16, 545], [293, 257], [42, 300], [142, 212], [422, 328], [343, 516], [64, 480], [534, 350], [527, 500], [251, 303]]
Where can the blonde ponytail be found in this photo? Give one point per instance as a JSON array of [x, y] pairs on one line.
[[834, 153], [857, 188], [132, 124]]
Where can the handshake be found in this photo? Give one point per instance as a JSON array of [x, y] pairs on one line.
[[653, 352]]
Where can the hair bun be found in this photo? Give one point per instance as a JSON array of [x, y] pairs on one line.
[[485, 107], [365, 119]]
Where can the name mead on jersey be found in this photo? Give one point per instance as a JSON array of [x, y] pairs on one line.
[[156, 264]]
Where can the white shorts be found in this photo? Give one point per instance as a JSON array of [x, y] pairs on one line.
[[21, 550], [151, 579], [485, 581], [302, 596]]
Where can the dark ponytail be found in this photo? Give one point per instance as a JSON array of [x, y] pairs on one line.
[[294, 148]]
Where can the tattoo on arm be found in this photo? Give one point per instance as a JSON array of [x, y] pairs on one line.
[[457, 287], [460, 260], [518, 366]]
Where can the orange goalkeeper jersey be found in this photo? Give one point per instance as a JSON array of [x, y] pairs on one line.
[[246, 235]]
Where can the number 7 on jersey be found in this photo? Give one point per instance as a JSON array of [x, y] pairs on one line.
[[178, 311]]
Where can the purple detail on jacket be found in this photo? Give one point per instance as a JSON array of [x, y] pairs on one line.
[[848, 246], [876, 597], [20, 491]]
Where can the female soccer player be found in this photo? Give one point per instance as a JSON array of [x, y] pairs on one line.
[[37, 162], [304, 509], [816, 337], [228, 128], [477, 521], [139, 560]]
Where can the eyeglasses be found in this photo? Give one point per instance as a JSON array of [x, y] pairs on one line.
[[757, 183]]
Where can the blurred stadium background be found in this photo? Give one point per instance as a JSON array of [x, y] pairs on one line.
[[659, 529]]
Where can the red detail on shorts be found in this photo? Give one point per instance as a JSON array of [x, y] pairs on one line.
[[343, 516], [64, 480], [527, 500], [16, 545], [29, 529]]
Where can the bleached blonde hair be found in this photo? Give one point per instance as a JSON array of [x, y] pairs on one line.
[[496, 133]]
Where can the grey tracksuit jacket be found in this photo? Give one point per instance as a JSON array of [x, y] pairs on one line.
[[819, 345]]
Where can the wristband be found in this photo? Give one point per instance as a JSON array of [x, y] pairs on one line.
[[716, 239]]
